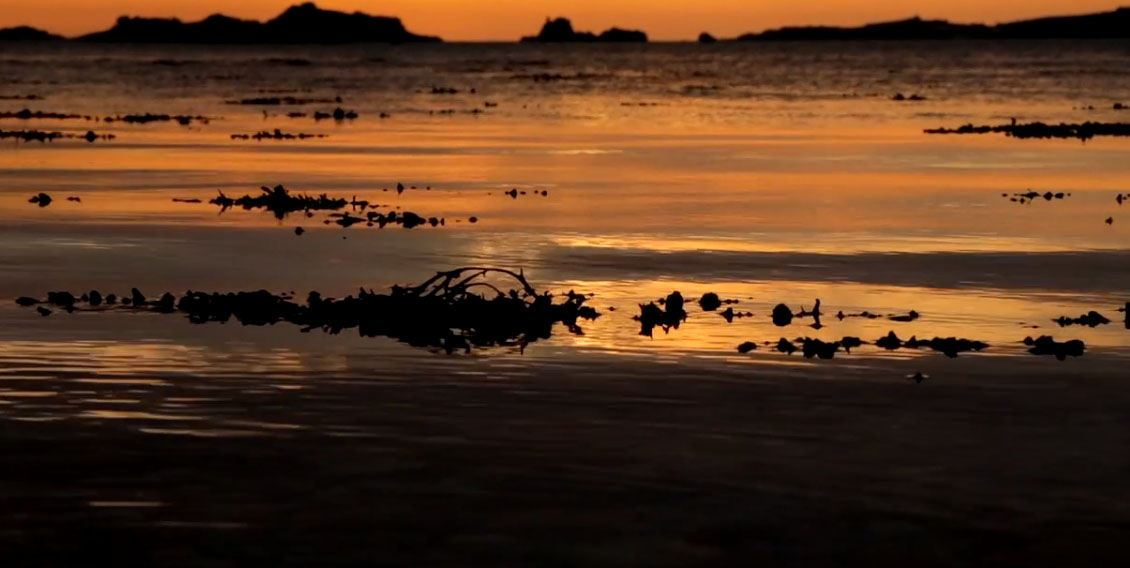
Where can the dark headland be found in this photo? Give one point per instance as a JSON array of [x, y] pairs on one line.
[[560, 30], [299, 24], [26, 33], [1106, 25]]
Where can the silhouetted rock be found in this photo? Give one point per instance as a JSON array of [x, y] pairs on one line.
[[43, 311], [782, 315], [710, 302], [622, 36], [26, 33], [26, 301], [918, 377], [1109, 221], [304, 23], [43, 200], [1047, 345], [560, 30], [706, 38], [280, 202], [747, 347]]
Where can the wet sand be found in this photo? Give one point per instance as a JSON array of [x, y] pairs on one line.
[[581, 464]]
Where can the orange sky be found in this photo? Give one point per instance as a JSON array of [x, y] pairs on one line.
[[508, 19]]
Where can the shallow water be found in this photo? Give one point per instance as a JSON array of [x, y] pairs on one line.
[[764, 173]]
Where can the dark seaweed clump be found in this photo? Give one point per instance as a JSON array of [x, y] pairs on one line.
[[280, 202], [288, 101], [671, 315], [337, 114], [457, 310], [1033, 195], [1047, 345], [1084, 131], [43, 137], [276, 135], [948, 346], [28, 114], [1089, 319], [182, 119]]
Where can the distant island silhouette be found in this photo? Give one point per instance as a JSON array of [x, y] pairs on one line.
[[1105, 25], [306, 23], [560, 30], [299, 24], [26, 33]]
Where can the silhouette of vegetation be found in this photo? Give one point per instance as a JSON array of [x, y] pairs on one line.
[[456, 310]]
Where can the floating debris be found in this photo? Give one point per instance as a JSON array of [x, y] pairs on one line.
[[299, 230], [747, 347], [948, 346], [1090, 319], [1109, 221], [1047, 345], [447, 312], [276, 135], [668, 317], [43, 200], [182, 200], [75, 199], [1084, 131], [918, 377]]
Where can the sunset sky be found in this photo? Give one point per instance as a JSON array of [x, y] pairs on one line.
[[508, 19]]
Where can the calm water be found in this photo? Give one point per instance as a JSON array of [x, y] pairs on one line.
[[765, 173]]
